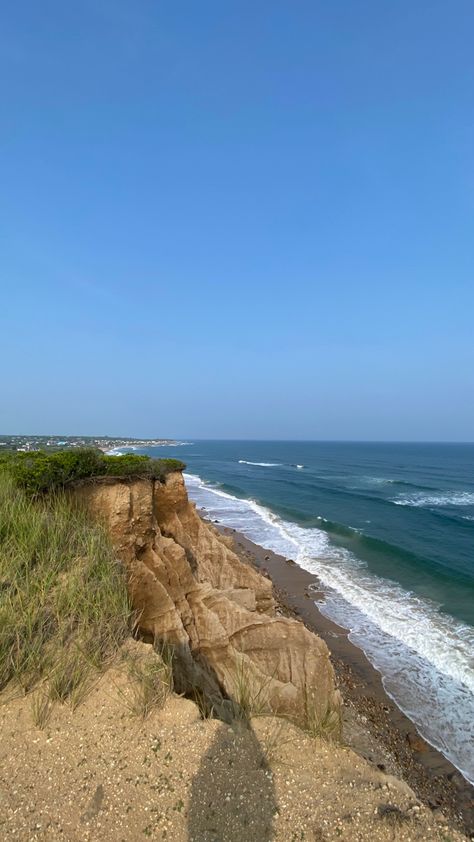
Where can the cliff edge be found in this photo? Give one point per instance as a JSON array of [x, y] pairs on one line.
[[189, 589]]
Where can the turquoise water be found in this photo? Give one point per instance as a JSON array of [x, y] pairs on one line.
[[389, 529]]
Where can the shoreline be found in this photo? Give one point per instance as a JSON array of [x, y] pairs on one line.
[[373, 724]]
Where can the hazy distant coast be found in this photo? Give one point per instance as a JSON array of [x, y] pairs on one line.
[[107, 444]]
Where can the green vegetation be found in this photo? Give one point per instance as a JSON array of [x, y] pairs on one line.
[[151, 681], [250, 696], [64, 608], [38, 471], [325, 726]]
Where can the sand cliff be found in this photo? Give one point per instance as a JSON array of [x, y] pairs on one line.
[[190, 589]]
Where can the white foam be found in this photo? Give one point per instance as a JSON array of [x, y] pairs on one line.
[[425, 657], [448, 498], [260, 464]]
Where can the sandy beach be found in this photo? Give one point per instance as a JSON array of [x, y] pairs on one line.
[[373, 725]]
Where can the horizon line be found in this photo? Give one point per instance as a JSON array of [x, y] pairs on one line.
[[234, 439]]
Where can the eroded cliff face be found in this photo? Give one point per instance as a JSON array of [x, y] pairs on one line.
[[191, 590]]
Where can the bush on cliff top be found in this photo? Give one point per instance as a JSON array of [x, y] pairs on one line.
[[39, 471]]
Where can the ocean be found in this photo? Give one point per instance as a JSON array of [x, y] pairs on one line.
[[389, 530]]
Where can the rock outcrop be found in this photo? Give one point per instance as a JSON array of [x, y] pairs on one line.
[[189, 589]]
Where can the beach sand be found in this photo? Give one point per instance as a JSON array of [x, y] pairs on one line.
[[373, 725]]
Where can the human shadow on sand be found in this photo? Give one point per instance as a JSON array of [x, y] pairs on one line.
[[232, 795]]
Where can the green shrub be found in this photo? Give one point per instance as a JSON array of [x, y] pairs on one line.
[[38, 472], [132, 465], [6, 456], [160, 468]]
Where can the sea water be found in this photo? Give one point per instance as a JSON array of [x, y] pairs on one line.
[[389, 531]]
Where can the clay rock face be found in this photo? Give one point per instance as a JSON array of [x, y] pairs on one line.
[[215, 562], [190, 589]]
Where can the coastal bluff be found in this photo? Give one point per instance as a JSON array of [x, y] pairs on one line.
[[99, 741], [190, 590]]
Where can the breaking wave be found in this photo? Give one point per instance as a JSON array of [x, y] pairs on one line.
[[448, 498], [261, 464], [424, 656], [121, 451]]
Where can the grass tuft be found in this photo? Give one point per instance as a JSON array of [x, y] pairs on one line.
[[250, 697], [325, 726], [205, 706], [152, 681], [273, 739], [41, 709], [392, 814]]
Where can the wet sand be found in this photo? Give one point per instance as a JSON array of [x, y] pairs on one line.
[[373, 725]]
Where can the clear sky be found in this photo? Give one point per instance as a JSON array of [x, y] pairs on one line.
[[237, 219]]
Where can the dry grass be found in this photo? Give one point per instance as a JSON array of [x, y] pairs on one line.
[[251, 697], [251, 694], [274, 738], [205, 706], [323, 726], [151, 681], [41, 707]]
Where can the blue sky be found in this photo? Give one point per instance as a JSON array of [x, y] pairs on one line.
[[238, 219]]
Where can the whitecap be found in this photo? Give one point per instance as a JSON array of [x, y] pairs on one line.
[[260, 464], [447, 498]]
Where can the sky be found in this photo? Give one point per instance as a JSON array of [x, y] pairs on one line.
[[237, 219]]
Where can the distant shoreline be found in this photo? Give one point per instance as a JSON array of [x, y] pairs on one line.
[[107, 444]]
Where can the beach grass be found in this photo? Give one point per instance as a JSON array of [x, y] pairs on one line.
[[151, 679], [64, 607], [324, 725], [250, 696]]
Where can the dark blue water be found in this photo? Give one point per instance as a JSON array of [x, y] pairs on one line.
[[389, 529]]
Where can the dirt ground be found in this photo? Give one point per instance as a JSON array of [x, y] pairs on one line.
[[102, 773]]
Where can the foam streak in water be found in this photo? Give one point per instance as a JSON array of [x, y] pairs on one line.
[[449, 498], [260, 464]]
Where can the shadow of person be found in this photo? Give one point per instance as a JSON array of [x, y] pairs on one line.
[[232, 795]]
